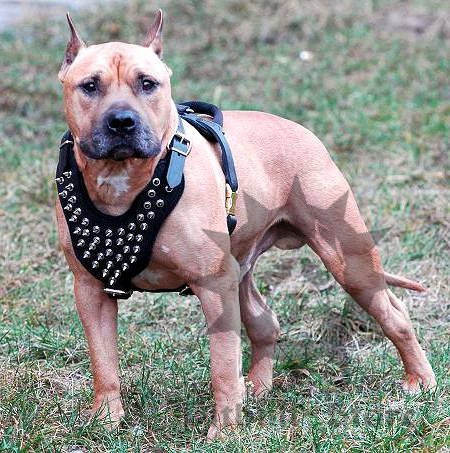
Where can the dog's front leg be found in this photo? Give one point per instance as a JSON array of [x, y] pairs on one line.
[[220, 303], [98, 314]]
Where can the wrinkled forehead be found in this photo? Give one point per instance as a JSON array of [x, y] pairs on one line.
[[116, 60]]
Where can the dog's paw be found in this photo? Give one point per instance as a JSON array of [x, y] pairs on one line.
[[415, 383], [109, 411], [226, 420]]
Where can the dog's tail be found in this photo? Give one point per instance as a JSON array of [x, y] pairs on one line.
[[402, 282]]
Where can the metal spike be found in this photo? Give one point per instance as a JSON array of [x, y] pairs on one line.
[[147, 205], [112, 281], [156, 182], [77, 231], [94, 264], [125, 266], [151, 193], [96, 229], [68, 207], [130, 237], [77, 211], [72, 199], [69, 187], [67, 174], [73, 218], [150, 215], [168, 189], [133, 259], [108, 242], [63, 194], [85, 221], [121, 231], [117, 273], [105, 272], [108, 233], [85, 232], [92, 246], [120, 241], [100, 256], [126, 249], [109, 265], [81, 243], [140, 217], [132, 226], [108, 252], [59, 180], [160, 203], [144, 226], [96, 239], [136, 249], [139, 237], [86, 254], [119, 257]]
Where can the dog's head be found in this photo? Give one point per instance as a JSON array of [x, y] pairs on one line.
[[117, 96]]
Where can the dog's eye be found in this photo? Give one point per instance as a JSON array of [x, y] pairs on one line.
[[148, 85], [89, 87]]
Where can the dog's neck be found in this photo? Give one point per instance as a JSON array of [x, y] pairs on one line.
[[113, 185]]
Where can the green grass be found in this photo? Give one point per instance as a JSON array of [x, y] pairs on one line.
[[377, 94]]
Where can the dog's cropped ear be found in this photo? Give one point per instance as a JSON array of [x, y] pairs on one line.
[[73, 47], [154, 35]]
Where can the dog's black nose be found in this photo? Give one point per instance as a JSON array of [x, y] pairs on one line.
[[122, 121]]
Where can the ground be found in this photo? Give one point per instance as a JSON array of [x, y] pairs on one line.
[[373, 85]]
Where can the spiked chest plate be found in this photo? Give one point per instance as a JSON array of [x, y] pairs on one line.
[[114, 249]]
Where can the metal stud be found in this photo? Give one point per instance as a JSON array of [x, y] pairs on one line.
[[59, 180], [156, 182], [69, 187], [119, 257], [96, 240], [85, 221], [151, 193], [108, 252], [130, 237], [100, 256], [139, 237], [132, 226], [85, 232], [126, 249], [77, 231], [121, 231], [109, 265], [133, 259], [81, 243], [117, 273], [72, 199], [108, 242], [125, 266], [140, 217], [94, 264], [144, 226], [68, 207], [112, 281], [73, 218], [77, 211], [108, 233], [160, 203], [86, 254], [147, 205], [168, 189], [63, 194], [92, 246], [96, 229], [120, 241], [150, 215], [67, 174], [136, 249], [105, 272]]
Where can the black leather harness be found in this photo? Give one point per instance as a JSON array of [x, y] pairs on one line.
[[114, 249]]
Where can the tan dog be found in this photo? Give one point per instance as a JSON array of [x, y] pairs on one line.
[[279, 163]]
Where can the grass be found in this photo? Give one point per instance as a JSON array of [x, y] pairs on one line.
[[376, 92]]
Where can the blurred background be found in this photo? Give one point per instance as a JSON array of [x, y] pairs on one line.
[[371, 79]]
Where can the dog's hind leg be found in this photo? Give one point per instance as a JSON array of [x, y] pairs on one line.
[[262, 329]]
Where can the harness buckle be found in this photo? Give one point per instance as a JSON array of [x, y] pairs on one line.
[[118, 293], [183, 140], [230, 200]]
